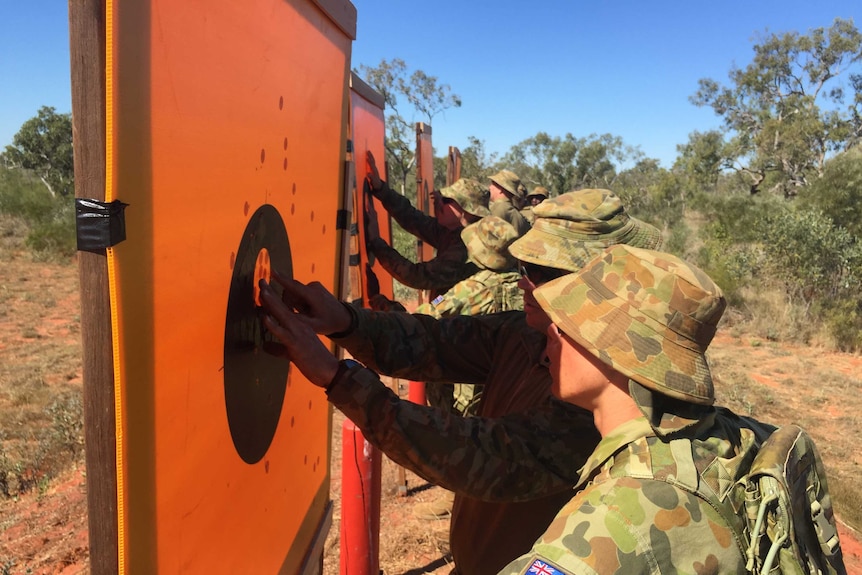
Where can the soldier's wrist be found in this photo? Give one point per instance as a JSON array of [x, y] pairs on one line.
[[345, 366], [354, 320]]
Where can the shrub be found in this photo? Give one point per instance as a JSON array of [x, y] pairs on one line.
[[679, 239], [838, 193], [67, 415], [814, 259], [55, 236], [731, 253], [50, 220], [844, 320]]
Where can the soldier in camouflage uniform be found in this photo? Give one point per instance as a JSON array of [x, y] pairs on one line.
[[534, 446], [494, 288], [450, 264], [628, 342], [462, 203], [534, 198], [507, 199]]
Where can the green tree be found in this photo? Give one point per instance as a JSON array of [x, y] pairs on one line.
[[43, 145], [567, 163], [652, 193], [476, 162], [702, 159], [49, 219], [814, 259], [409, 98], [838, 194], [786, 112]]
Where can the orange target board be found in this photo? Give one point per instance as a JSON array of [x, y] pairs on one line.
[[367, 133], [226, 130]]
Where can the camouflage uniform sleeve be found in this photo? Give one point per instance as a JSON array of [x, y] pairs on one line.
[[628, 525], [514, 458], [413, 220], [422, 348], [467, 297], [505, 210], [441, 273]]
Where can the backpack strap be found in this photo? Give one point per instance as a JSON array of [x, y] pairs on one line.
[[712, 483]]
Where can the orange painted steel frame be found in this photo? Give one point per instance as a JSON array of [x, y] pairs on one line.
[[368, 131], [453, 166], [424, 181], [219, 113]]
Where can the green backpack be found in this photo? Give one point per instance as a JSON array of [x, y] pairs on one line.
[[779, 510], [790, 526]]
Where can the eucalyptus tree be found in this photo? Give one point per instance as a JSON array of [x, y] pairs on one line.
[[790, 109], [43, 146], [410, 97], [563, 163]]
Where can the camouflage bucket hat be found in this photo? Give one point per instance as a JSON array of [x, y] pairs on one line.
[[487, 243], [574, 227], [539, 191], [510, 182], [647, 314], [471, 196]]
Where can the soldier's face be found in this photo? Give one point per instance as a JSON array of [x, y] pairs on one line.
[[497, 192], [449, 214], [578, 376], [532, 276]]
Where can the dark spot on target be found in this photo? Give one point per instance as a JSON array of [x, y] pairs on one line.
[[254, 380]]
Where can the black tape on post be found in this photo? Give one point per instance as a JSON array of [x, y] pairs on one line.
[[99, 225]]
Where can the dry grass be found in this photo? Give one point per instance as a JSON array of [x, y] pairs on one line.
[[40, 363], [815, 388]]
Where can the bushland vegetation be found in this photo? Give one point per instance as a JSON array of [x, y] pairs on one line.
[[770, 204]]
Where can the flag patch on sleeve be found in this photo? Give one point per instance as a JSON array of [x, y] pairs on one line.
[[539, 567]]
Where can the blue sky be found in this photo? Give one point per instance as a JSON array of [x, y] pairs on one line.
[[622, 67]]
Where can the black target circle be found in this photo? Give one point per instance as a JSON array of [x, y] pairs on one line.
[[254, 381]]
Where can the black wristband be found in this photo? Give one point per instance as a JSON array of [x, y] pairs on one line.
[[353, 321], [343, 367]]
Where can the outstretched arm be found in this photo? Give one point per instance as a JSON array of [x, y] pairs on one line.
[[296, 318], [517, 457], [513, 458]]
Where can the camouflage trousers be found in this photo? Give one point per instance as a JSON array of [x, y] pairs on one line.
[[457, 398]]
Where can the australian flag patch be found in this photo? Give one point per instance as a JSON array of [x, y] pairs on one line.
[[437, 300], [540, 567]]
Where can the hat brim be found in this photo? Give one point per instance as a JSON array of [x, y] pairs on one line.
[[479, 210], [547, 244], [612, 330], [485, 259]]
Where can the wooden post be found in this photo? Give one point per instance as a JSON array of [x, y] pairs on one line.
[[87, 50]]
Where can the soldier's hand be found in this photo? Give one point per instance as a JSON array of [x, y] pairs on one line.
[[301, 344], [373, 173], [311, 304], [372, 228], [436, 199]]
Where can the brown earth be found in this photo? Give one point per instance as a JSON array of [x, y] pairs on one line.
[[43, 523]]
